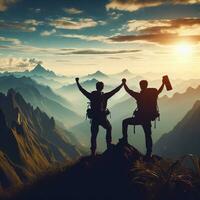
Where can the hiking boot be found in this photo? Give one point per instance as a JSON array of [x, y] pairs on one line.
[[123, 141]]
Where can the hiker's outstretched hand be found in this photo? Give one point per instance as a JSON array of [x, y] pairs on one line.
[[124, 81], [77, 79]]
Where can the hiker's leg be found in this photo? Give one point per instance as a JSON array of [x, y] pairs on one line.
[[94, 132], [148, 138], [106, 124], [125, 123]]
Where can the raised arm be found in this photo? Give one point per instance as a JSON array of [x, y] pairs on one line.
[[161, 87], [129, 91], [84, 92], [111, 93]]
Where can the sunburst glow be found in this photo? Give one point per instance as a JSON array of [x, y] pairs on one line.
[[184, 49]]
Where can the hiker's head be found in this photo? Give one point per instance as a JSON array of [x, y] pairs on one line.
[[99, 86], [143, 84]]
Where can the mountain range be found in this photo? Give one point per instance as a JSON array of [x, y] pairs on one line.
[[172, 110], [184, 138], [43, 97], [38, 70], [30, 141], [96, 75]]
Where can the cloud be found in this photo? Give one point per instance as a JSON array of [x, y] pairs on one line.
[[29, 50], [187, 26], [69, 23], [4, 4], [100, 38], [133, 5], [37, 10], [48, 33], [10, 40], [163, 39], [18, 64], [161, 31], [99, 52], [28, 25], [115, 15], [72, 11], [32, 22]]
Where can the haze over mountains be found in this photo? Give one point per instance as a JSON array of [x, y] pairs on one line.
[[184, 138], [42, 97], [59, 97], [172, 110]]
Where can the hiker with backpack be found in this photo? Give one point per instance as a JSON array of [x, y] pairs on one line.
[[98, 112], [147, 111]]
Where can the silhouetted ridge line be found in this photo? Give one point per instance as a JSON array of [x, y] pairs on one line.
[[118, 173]]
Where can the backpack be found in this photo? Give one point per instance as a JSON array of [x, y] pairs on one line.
[[147, 105], [96, 107]]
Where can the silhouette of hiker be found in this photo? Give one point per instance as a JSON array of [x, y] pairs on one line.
[[146, 112], [98, 112]]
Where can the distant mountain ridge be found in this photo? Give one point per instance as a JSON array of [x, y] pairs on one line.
[[42, 97], [184, 138], [98, 75], [38, 70], [124, 74]]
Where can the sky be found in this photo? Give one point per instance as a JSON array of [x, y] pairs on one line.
[[83, 36]]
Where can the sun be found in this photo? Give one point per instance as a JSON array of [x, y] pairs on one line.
[[184, 49]]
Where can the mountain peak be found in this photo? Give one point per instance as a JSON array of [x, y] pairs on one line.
[[97, 74], [126, 71], [40, 70]]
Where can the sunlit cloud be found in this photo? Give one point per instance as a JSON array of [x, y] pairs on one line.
[[133, 5], [163, 32], [100, 38], [184, 26], [69, 23], [48, 33], [19, 64], [72, 11], [115, 15], [163, 39]]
